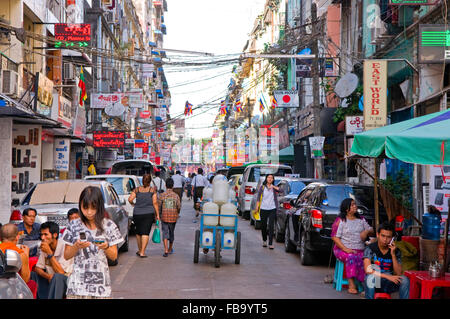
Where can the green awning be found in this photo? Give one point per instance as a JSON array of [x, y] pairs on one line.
[[423, 140]]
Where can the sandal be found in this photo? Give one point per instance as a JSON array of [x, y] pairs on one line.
[[352, 291]]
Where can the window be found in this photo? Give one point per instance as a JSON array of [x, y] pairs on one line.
[[304, 196], [114, 196], [335, 195], [296, 187]]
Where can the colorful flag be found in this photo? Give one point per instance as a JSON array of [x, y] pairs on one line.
[[274, 102], [238, 106], [82, 86], [261, 105], [188, 108]]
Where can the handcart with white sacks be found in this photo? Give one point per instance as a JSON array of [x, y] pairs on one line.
[[218, 224]]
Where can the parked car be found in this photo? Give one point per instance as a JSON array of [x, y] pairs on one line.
[[308, 226], [135, 167], [235, 170], [250, 178], [292, 187], [123, 185], [276, 182], [53, 199], [234, 181], [12, 285]]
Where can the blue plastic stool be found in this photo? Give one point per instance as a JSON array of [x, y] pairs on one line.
[[339, 279]]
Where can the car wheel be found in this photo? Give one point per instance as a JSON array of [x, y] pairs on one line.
[[279, 236], [306, 257], [288, 246], [124, 247]]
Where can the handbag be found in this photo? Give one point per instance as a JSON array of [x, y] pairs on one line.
[[156, 238], [258, 207]]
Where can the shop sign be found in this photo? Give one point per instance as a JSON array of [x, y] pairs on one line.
[[287, 98], [354, 125], [65, 111], [62, 154], [375, 94], [135, 99], [73, 32], [113, 139], [145, 114], [316, 145], [44, 95], [440, 187], [104, 100], [434, 43], [410, 2]]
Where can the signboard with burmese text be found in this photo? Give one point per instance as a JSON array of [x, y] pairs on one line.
[[375, 94]]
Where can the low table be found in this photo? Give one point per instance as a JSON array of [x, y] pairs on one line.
[[421, 284]]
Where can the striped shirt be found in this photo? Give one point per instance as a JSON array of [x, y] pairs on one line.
[[170, 206]]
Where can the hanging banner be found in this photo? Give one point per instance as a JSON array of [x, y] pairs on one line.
[[375, 94], [287, 98], [316, 145], [354, 125]]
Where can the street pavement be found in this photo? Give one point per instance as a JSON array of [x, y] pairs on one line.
[[262, 273]]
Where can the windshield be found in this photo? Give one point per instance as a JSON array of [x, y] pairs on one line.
[[296, 187], [336, 194], [364, 196], [137, 168], [58, 192], [261, 171]]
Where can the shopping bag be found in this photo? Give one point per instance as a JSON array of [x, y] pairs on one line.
[[258, 208], [156, 238]]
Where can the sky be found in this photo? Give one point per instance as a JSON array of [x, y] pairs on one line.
[[211, 26]]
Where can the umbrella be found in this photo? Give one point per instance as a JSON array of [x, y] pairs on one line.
[[423, 140]]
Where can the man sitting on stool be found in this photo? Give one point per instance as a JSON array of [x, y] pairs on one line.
[[52, 270], [382, 264]]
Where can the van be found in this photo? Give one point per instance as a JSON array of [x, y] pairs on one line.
[[249, 181]]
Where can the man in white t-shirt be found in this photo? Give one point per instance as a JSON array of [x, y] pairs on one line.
[[198, 183], [178, 184], [52, 269], [159, 183]]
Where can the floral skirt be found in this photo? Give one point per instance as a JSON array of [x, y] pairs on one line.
[[354, 266]]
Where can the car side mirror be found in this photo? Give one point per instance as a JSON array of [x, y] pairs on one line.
[[292, 202], [240, 180], [13, 261]]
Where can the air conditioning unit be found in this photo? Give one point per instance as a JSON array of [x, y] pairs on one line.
[[68, 71], [10, 83]]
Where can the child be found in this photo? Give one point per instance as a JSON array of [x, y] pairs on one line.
[[91, 239]]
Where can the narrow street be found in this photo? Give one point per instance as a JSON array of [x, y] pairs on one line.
[[262, 273]]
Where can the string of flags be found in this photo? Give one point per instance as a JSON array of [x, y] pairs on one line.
[[274, 102], [238, 106]]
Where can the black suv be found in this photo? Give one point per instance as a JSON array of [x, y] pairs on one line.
[[308, 227]]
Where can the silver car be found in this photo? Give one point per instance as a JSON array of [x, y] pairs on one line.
[[53, 199]]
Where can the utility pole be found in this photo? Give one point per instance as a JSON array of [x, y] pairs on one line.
[[318, 162]]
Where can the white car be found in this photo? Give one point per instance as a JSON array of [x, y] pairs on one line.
[[123, 184], [249, 180]]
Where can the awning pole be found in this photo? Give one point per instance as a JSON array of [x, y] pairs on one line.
[[375, 195]]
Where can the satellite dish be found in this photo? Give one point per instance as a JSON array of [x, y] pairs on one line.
[[346, 85], [115, 109]]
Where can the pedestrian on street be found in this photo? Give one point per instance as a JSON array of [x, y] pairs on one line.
[[144, 212], [170, 212], [199, 182], [178, 184], [188, 186], [29, 229], [268, 203], [52, 270], [349, 232], [91, 240], [159, 183]]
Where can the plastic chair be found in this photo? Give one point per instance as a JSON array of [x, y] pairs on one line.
[[382, 295], [339, 279]]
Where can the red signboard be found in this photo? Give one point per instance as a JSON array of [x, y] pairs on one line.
[[145, 114], [143, 145], [73, 32], [113, 139]]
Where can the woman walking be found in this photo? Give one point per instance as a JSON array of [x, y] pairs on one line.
[[268, 199], [144, 212], [91, 239], [349, 231], [188, 186]]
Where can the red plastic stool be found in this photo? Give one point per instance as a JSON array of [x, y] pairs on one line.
[[382, 295]]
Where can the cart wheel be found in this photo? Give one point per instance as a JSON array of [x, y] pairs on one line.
[[237, 256], [196, 246], [217, 250]]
